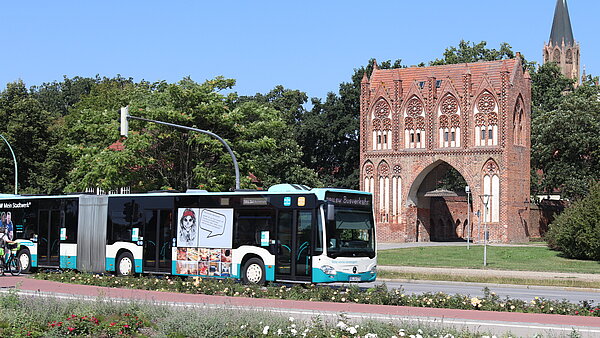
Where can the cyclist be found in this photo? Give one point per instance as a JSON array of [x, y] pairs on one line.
[[4, 242]]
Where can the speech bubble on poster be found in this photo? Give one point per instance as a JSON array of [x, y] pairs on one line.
[[213, 222]]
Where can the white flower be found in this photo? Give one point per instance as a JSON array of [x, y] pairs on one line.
[[293, 331], [341, 325], [418, 336], [279, 332], [352, 330], [401, 334], [293, 325], [266, 329], [291, 319], [419, 331], [371, 335]]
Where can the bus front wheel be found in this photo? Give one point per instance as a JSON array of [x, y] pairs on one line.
[[24, 258], [125, 264], [253, 272]]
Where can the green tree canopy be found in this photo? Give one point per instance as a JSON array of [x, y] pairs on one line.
[[160, 157], [566, 143], [470, 52]]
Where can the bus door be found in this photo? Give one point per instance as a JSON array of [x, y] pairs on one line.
[[48, 239], [158, 235], [293, 260]]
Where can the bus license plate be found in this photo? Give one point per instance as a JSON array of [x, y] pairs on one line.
[[355, 278]]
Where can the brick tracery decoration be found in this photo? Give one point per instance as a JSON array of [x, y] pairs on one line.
[[397, 169], [384, 169], [382, 109], [382, 125], [414, 114], [486, 103], [369, 169], [449, 105], [490, 167]]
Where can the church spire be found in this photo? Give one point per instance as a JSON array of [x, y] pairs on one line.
[[561, 26]]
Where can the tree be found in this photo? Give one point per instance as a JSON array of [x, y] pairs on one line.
[[566, 143], [576, 232], [470, 52], [548, 88], [329, 132], [160, 157], [27, 126]]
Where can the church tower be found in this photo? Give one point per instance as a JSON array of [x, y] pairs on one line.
[[562, 47]]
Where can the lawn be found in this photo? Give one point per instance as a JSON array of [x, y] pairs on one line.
[[525, 258]]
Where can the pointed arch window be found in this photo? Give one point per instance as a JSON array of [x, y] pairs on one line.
[[491, 186], [382, 125], [396, 193], [486, 120], [384, 192], [368, 178], [569, 57], [518, 123], [449, 122], [414, 124], [556, 56]]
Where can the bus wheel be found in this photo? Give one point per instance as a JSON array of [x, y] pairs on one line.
[[24, 258], [254, 272], [125, 264]]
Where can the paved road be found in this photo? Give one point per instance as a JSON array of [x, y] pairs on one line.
[[511, 291], [520, 324]]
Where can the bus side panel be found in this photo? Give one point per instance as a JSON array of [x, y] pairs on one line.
[[241, 252], [68, 256], [347, 269], [113, 249]]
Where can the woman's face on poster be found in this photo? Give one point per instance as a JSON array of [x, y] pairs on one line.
[[187, 222]]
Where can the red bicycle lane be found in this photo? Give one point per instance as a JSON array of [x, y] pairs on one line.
[[75, 290]]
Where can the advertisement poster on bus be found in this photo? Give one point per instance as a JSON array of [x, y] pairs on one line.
[[205, 228], [204, 262]]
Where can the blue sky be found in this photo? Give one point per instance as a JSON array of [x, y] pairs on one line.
[[306, 45]]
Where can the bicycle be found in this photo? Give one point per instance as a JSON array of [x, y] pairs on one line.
[[11, 263]]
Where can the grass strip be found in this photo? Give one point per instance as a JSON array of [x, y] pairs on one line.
[[383, 274], [520, 258]]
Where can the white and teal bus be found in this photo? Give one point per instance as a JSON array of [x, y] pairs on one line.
[[289, 233]]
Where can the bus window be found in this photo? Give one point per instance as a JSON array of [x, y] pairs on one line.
[[249, 225]]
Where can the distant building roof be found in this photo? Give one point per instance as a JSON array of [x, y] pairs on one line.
[[454, 72]]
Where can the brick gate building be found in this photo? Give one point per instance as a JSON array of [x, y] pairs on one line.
[[417, 122]]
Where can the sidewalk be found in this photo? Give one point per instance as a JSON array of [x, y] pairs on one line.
[[584, 277]]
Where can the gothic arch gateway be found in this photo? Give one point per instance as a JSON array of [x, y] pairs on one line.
[[423, 121]]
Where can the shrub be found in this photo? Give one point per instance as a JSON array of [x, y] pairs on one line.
[[576, 232]]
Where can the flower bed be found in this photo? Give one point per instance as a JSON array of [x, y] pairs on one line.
[[23, 316], [376, 295]]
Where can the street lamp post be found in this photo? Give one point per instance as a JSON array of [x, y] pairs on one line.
[[14, 160], [125, 126], [485, 198], [468, 191]]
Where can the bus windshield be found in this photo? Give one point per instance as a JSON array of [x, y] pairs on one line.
[[351, 234]]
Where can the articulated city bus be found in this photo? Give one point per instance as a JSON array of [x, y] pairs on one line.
[[288, 233]]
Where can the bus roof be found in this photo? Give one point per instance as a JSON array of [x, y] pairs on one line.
[[276, 189]]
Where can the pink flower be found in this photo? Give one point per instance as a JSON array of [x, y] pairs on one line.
[[71, 329]]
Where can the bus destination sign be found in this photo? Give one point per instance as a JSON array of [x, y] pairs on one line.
[[346, 200]]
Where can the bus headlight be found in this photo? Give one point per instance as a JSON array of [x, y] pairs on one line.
[[374, 269], [328, 269]]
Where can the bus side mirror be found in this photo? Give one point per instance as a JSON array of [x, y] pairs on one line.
[[330, 212]]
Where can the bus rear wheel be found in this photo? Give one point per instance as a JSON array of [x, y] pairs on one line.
[[253, 272], [125, 264]]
